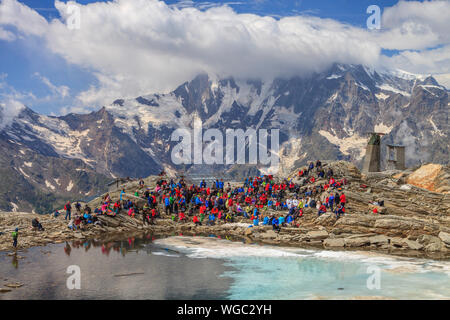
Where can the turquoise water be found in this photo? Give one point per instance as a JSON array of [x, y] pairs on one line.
[[311, 278], [265, 272], [212, 268]]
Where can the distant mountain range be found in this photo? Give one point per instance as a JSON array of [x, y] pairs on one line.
[[327, 115]]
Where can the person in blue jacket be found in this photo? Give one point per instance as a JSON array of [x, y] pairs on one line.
[[266, 220], [167, 205], [275, 225], [331, 201], [289, 219], [211, 219]]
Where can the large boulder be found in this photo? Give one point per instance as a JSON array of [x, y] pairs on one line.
[[357, 242], [337, 242], [445, 237], [269, 234], [433, 177], [379, 240], [317, 235], [413, 245]]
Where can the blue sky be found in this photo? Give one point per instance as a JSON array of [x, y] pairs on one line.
[[34, 71]]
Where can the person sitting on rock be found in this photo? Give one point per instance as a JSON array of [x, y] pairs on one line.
[[77, 222], [289, 219], [36, 224], [281, 221], [72, 225], [278, 205], [276, 225], [255, 220], [87, 218], [117, 207], [340, 210], [211, 219], [196, 221], [322, 210], [181, 217]]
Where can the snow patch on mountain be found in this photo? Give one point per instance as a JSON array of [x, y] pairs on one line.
[[70, 186], [382, 96], [346, 145], [435, 128], [49, 185], [14, 206], [382, 128], [23, 173], [387, 87]]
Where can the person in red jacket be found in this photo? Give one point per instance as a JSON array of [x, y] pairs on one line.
[[196, 221], [343, 199], [322, 210], [182, 217]]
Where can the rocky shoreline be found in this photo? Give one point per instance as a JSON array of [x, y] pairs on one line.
[[413, 221], [322, 233]]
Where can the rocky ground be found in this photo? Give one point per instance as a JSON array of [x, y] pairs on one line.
[[414, 221]]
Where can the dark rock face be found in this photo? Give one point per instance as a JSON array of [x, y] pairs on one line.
[[322, 116]]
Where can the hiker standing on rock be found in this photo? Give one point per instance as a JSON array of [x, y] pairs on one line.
[[68, 208], [15, 235]]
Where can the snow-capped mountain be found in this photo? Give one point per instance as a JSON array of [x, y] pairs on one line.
[[322, 116]]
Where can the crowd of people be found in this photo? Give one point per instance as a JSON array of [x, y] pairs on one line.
[[263, 200]]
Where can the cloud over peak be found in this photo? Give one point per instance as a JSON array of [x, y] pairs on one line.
[[142, 46]]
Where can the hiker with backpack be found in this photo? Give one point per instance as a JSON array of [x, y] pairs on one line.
[[68, 208]]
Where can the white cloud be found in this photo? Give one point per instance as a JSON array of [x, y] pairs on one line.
[[143, 46], [9, 109], [61, 91], [25, 19], [6, 35], [435, 62], [416, 25]]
